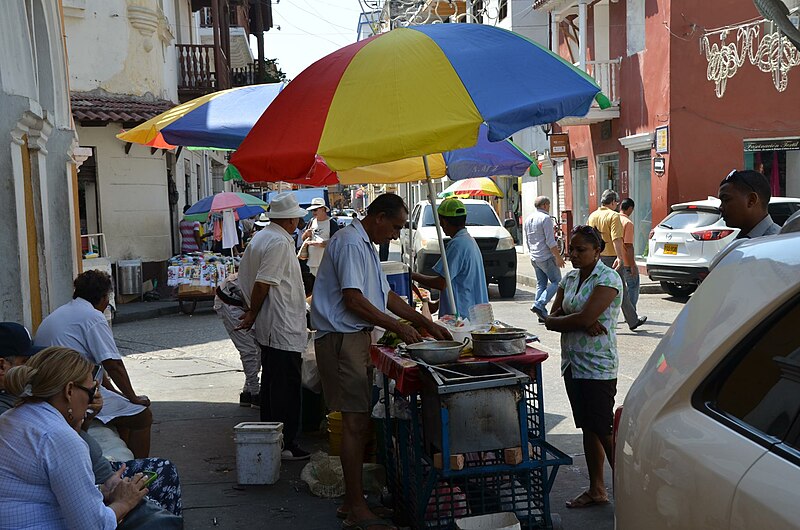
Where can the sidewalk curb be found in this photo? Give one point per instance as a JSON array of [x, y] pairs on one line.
[[145, 314], [645, 288]]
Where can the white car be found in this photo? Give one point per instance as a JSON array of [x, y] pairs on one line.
[[483, 224], [709, 434], [682, 245]]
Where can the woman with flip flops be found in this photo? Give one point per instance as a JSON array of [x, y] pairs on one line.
[[585, 311]]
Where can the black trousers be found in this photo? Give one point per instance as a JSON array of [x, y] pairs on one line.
[[282, 390]]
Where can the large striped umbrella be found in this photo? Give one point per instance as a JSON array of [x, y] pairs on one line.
[[220, 120], [408, 93]]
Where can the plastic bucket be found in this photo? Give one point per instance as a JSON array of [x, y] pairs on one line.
[[258, 452]]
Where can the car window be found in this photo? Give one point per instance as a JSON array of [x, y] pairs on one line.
[[759, 386], [781, 211], [683, 219], [478, 214]]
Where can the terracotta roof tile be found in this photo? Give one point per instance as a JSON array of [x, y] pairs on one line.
[[103, 107]]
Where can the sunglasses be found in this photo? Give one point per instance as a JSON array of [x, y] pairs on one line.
[[91, 392], [734, 176]]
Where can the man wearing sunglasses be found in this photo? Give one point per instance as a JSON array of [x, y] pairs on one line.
[[16, 347], [744, 197]]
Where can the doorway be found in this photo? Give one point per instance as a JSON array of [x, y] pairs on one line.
[[641, 193], [580, 191]]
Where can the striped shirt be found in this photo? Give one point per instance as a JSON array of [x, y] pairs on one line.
[[46, 478], [188, 228]]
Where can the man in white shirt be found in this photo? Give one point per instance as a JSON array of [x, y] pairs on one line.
[[545, 257], [81, 325], [272, 286]]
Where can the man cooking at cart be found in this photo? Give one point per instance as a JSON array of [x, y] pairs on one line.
[[464, 260], [351, 296]]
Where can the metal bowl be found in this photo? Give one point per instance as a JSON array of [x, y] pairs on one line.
[[500, 334], [436, 351]]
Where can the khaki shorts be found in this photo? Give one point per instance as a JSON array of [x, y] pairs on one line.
[[345, 370]]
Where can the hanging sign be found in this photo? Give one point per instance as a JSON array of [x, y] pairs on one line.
[[659, 165], [559, 146]]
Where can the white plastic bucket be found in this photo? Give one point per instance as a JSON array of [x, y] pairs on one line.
[[258, 451], [492, 521]]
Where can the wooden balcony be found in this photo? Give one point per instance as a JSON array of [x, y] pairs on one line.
[[198, 72]]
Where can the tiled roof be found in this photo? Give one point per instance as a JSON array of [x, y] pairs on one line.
[[103, 107]]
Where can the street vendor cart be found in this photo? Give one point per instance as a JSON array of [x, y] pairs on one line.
[[196, 276], [466, 438]]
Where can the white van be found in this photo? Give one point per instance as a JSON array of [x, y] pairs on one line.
[[483, 224]]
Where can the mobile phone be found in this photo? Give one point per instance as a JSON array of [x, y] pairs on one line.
[[151, 476]]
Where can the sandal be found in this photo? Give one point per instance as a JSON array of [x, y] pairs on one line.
[[380, 511], [366, 524], [584, 500]]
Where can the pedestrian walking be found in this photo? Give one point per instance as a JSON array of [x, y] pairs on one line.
[[351, 296], [585, 311], [275, 306], [630, 274], [744, 197], [229, 305], [606, 220], [464, 260], [191, 239], [545, 256]]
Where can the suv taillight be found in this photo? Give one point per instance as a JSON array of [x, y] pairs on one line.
[[711, 235], [652, 233]]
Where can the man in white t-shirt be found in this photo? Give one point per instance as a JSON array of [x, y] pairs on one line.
[[319, 231], [275, 300], [81, 325]]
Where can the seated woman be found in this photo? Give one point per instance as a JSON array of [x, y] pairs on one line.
[[46, 478]]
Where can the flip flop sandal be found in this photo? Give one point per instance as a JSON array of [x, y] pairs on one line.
[[380, 511], [584, 500], [367, 523]]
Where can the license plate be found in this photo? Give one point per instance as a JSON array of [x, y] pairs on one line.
[[670, 248]]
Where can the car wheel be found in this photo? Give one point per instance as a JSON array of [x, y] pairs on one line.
[[507, 286], [678, 290]]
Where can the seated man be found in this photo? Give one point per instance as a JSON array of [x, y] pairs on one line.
[[80, 325], [16, 347]]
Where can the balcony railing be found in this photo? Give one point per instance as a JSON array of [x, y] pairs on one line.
[[196, 67], [606, 74], [248, 75]]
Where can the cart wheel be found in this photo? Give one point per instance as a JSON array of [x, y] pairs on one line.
[[187, 308], [555, 519]]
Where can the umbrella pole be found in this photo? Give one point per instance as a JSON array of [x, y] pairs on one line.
[[410, 248], [432, 199]]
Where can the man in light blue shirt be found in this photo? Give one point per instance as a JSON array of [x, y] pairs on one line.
[[464, 261], [351, 296], [545, 257]]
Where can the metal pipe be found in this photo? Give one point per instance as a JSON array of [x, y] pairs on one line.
[[432, 199]]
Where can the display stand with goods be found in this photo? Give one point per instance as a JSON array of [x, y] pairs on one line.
[[197, 276]]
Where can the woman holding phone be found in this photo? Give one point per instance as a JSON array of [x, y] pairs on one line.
[[46, 477], [585, 311]]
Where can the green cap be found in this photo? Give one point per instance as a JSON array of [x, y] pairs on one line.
[[452, 207]]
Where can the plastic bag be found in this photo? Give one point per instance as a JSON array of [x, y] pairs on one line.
[[309, 372]]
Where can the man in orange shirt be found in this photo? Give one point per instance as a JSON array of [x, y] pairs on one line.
[[629, 274], [607, 221]]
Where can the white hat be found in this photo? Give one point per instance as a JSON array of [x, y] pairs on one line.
[[317, 202], [284, 206], [262, 220]]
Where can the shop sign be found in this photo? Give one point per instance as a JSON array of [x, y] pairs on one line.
[[773, 144], [559, 146], [662, 139], [659, 165]]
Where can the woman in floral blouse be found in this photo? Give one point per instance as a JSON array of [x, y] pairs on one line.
[[585, 311]]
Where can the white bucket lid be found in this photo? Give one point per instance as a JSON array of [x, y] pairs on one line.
[[258, 427]]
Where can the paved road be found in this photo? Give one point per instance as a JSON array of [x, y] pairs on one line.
[[191, 371]]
